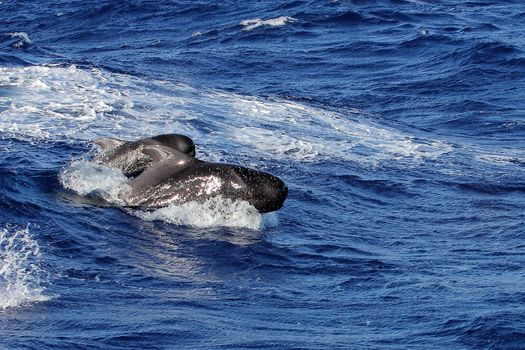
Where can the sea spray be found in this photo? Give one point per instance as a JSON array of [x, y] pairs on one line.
[[95, 180], [22, 278], [216, 211]]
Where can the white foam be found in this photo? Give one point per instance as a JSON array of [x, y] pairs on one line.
[[306, 133], [250, 24], [216, 211], [21, 275], [513, 157], [66, 102], [95, 180], [22, 37]]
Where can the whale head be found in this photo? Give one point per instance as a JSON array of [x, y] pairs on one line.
[[267, 192]]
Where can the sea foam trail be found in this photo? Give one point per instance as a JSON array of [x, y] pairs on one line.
[[21, 275], [67, 102]]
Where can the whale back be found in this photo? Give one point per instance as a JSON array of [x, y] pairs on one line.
[[108, 144], [185, 179], [133, 157], [166, 163], [179, 142]]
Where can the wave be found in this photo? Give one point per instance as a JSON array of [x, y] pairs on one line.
[[250, 24], [496, 330], [492, 188], [493, 54], [61, 103], [22, 278], [512, 158], [21, 39]]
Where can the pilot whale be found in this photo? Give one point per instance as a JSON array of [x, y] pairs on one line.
[[128, 156], [164, 171]]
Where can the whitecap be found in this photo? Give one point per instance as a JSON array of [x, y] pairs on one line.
[[22, 37], [250, 24], [22, 278], [70, 103]]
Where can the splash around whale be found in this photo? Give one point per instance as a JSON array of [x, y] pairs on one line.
[[162, 170]]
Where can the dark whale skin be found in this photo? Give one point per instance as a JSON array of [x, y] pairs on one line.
[[163, 171]]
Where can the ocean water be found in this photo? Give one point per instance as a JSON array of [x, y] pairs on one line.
[[398, 126]]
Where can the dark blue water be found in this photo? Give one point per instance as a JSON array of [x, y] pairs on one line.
[[398, 126]]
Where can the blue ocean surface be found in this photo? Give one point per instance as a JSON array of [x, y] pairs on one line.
[[399, 127]]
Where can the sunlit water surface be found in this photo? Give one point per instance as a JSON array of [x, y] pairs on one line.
[[397, 125]]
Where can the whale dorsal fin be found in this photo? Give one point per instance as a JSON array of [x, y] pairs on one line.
[[109, 143]]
